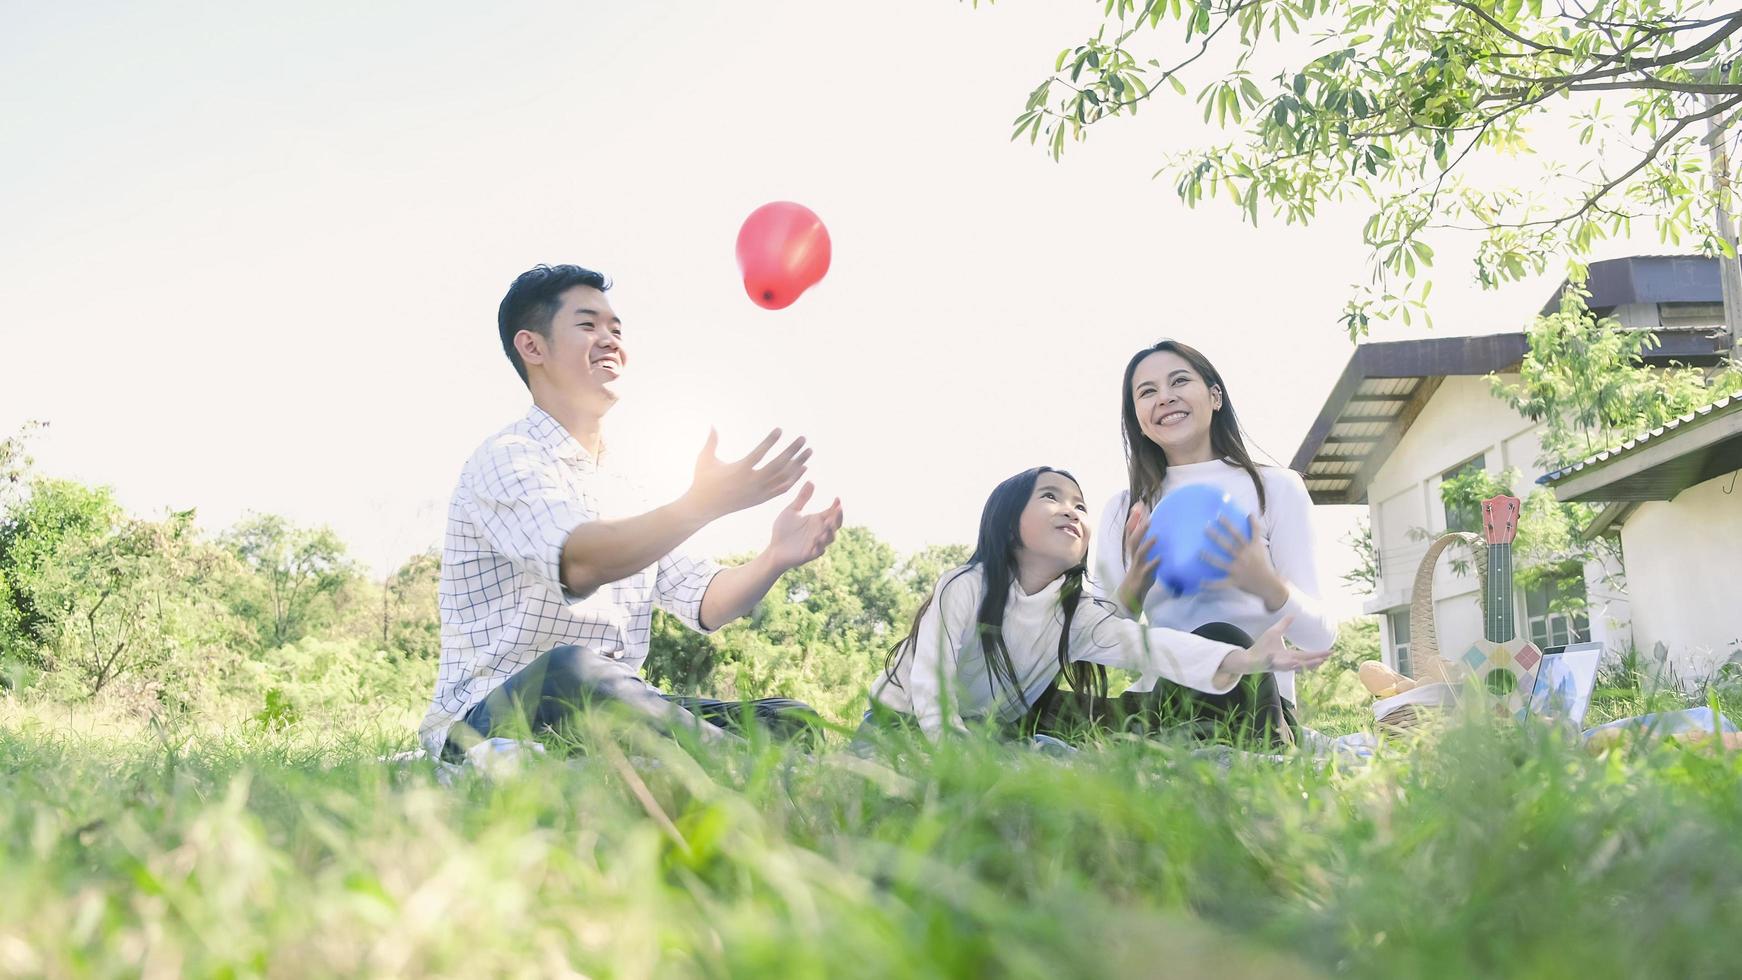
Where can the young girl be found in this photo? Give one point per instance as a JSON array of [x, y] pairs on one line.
[[1180, 429], [998, 632]]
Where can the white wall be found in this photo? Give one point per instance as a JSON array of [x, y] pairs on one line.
[[1611, 609], [1463, 419], [1684, 575]]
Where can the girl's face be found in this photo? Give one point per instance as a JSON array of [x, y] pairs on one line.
[[1055, 524], [1174, 406]]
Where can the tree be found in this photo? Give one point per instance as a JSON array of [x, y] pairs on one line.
[[1587, 382], [124, 595], [1365, 574], [57, 519], [94, 592], [1400, 103], [14, 471], [293, 570], [15, 461], [410, 613]]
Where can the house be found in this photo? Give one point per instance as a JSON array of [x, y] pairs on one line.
[[1671, 497], [1407, 415]]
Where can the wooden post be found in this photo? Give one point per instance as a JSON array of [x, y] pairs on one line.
[[1729, 271]]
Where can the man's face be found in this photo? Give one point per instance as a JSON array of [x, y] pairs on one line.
[[584, 354]]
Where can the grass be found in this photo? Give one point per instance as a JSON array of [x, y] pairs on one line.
[[128, 849]]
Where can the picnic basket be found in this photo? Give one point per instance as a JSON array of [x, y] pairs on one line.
[[1438, 677]]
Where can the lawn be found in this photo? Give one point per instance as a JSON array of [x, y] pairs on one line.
[[129, 848]]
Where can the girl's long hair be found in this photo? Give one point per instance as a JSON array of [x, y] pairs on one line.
[[995, 554], [1145, 463]]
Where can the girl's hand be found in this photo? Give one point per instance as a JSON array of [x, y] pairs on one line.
[[1249, 570], [1269, 653], [1135, 522], [1139, 569]]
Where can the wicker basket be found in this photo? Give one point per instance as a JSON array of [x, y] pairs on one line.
[[1402, 713]]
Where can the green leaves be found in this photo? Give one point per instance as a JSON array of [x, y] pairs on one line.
[[1587, 383], [1431, 111]]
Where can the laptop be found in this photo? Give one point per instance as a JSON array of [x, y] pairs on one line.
[[1564, 682]]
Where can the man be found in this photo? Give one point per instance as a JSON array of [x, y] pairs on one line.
[[553, 561]]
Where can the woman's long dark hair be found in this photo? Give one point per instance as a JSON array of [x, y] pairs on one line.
[[1145, 463], [995, 554]]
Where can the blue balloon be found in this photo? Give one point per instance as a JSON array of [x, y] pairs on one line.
[[1178, 534]]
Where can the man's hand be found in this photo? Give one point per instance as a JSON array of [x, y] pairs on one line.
[[722, 488], [799, 537], [1139, 568], [1269, 653]]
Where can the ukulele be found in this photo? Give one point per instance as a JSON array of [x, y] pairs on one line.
[[1504, 663]]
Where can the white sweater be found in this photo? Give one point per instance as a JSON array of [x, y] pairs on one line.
[[945, 677], [1286, 529]]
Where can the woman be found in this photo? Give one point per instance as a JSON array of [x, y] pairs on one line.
[[1180, 429]]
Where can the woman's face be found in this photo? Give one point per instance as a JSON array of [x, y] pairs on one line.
[[1174, 406], [1055, 524]]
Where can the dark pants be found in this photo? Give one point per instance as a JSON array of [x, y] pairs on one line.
[[546, 695], [1253, 712]]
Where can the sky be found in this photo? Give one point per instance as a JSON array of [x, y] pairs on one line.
[[250, 255]]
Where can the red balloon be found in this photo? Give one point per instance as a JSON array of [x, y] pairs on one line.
[[783, 249]]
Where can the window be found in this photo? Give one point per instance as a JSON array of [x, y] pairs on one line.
[[1673, 315], [1464, 517], [1399, 621], [1546, 623]]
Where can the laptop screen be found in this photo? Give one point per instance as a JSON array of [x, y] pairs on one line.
[[1564, 682]]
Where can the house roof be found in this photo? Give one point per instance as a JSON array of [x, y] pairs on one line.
[[1660, 464], [1648, 279], [1380, 393], [1386, 384]]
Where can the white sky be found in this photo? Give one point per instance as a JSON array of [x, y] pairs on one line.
[[250, 255]]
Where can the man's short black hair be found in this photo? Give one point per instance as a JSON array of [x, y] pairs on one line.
[[533, 300]]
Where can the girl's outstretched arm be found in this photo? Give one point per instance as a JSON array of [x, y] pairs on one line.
[[1099, 634], [1187, 659]]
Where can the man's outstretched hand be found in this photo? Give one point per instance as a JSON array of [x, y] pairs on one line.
[[799, 537], [722, 488]]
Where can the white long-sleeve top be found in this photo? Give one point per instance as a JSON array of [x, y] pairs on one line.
[[945, 678], [1286, 529]]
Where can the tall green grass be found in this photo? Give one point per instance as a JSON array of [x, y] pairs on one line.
[[140, 850]]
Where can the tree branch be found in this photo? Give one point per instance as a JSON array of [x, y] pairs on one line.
[[1651, 153], [1502, 28]]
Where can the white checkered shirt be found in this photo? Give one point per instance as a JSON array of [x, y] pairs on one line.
[[502, 599]]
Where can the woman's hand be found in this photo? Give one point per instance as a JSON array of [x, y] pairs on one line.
[[1249, 570], [1139, 568]]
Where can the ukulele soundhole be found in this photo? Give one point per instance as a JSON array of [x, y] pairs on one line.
[[1500, 682]]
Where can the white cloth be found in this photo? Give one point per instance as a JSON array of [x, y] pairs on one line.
[[945, 678], [502, 599], [1286, 529]]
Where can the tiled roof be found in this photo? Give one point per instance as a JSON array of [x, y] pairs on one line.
[[1722, 406]]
